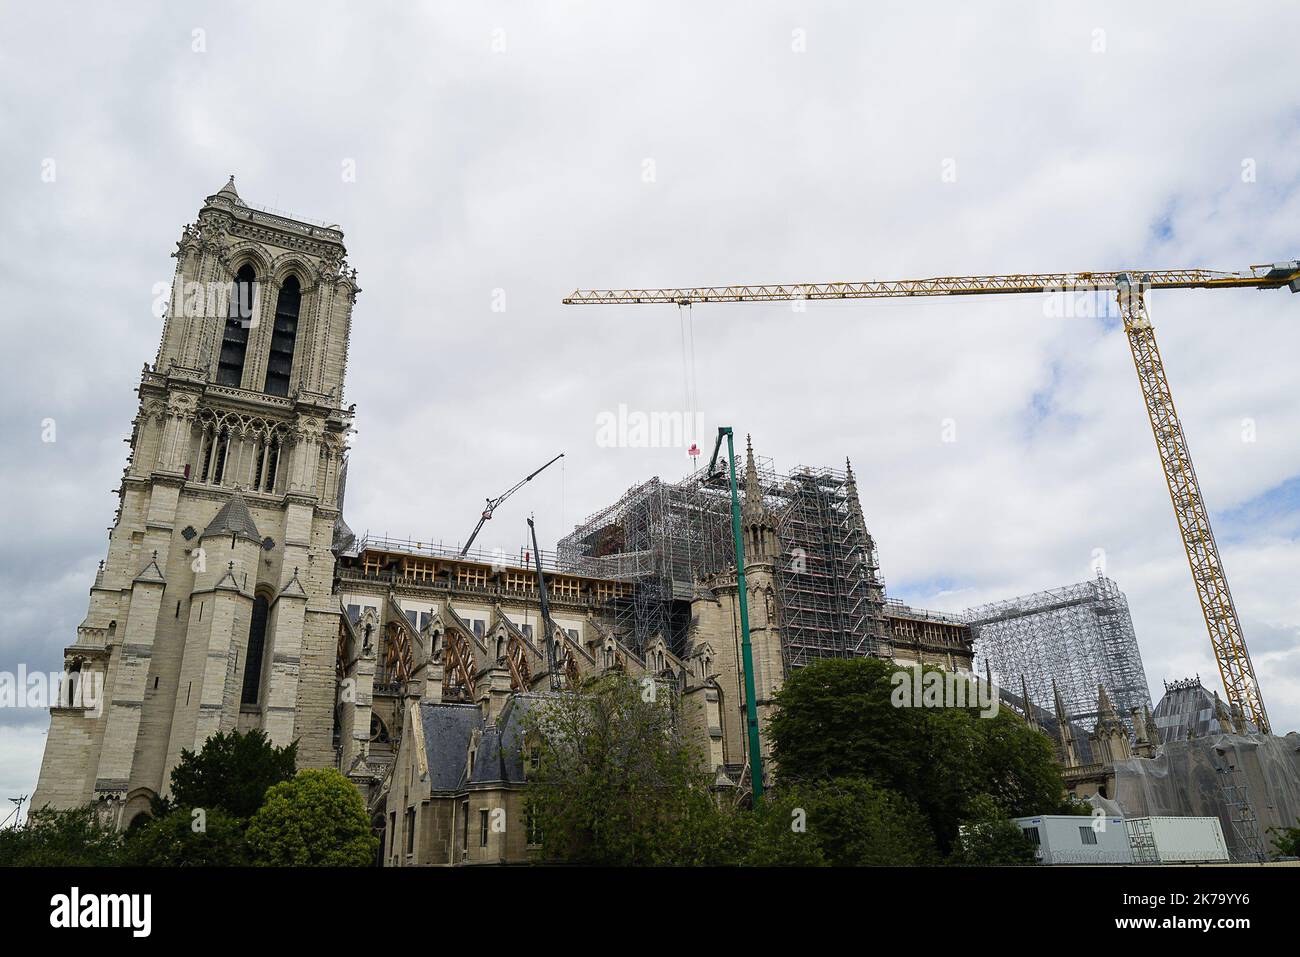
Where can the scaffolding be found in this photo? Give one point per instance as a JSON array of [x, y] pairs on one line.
[[666, 537], [1079, 636], [661, 537], [828, 581], [1248, 843]]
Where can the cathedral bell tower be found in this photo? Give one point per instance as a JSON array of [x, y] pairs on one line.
[[213, 610]]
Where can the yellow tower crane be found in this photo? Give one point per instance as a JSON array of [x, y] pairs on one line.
[[1129, 286]]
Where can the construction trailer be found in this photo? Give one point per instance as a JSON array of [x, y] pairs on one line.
[[665, 537], [1074, 638], [1177, 840], [1076, 839]]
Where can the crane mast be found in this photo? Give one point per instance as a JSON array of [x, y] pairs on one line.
[[1129, 286], [1226, 638]]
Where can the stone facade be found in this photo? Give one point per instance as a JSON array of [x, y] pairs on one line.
[[226, 518]]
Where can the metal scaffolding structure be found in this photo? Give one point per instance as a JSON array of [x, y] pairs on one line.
[[660, 536], [666, 536], [1079, 636], [829, 584]]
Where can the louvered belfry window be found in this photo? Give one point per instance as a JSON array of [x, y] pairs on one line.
[[234, 336], [283, 338]]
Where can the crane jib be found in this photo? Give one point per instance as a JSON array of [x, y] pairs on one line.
[[1271, 276]]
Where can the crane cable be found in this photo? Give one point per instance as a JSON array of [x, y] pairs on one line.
[[690, 384]]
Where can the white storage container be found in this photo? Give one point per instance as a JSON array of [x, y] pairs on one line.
[[1077, 839], [1177, 840]]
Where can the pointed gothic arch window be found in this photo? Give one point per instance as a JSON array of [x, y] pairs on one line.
[[256, 643], [283, 337], [234, 336]]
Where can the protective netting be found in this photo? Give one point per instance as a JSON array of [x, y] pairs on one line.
[[1250, 782]]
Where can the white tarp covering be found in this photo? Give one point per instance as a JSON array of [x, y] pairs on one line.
[[1187, 778]]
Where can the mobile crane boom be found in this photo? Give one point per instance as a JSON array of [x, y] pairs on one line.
[[493, 503]]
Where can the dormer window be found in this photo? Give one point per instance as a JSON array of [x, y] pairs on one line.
[[283, 338], [234, 337]]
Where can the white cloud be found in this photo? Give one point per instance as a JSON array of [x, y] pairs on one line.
[[522, 171]]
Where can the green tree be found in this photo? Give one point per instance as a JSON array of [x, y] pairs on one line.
[[988, 838], [1016, 766], [766, 836], [855, 823], [232, 772], [837, 718], [77, 837], [317, 819], [1071, 805], [183, 838], [617, 783], [1287, 840]]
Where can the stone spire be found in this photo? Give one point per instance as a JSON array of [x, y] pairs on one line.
[[760, 530], [1223, 716], [1143, 744], [1153, 732], [1107, 717], [229, 190], [753, 491], [876, 588], [1109, 738], [1068, 754], [851, 491], [1028, 705]]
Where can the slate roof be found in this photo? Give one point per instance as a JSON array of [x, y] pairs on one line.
[[498, 759], [447, 730], [234, 519]]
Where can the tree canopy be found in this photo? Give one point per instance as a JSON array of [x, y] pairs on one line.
[[188, 837], [77, 837], [317, 819], [617, 783], [837, 718], [232, 771]]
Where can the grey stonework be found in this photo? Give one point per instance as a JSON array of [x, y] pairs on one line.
[[170, 610]]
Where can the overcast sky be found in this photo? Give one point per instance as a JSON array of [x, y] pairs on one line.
[[508, 153]]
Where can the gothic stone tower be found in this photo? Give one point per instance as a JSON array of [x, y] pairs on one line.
[[213, 609], [716, 613]]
